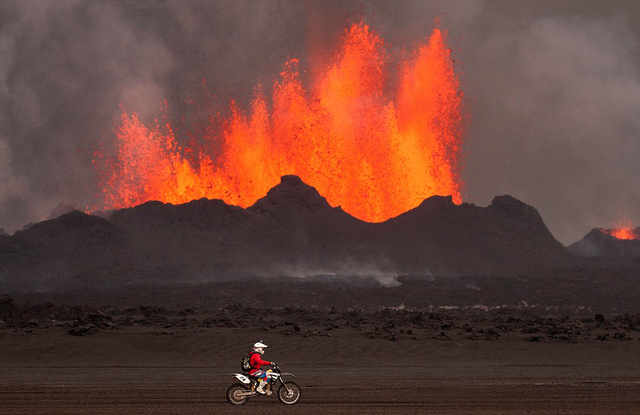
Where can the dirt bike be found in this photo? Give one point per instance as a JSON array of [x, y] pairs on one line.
[[239, 393]]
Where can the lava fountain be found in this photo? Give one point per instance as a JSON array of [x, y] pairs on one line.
[[625, 233], [375, 156]]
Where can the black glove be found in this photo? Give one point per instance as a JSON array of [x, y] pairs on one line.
[[274, 364]]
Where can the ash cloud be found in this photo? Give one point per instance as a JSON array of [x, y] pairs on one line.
[[67, 66], [553, 89], [557, 113], [12, 185]]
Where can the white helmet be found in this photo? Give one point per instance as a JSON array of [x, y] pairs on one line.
[[259, 347]]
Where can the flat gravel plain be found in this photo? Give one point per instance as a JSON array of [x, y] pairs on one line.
[[136, 370]]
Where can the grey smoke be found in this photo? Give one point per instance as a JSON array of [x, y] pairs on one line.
[[553, 89], [559, 119]]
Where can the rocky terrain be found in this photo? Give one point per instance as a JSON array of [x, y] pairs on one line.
[[60, 359], [393, 324]]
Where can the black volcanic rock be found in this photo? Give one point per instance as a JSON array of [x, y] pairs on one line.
[[58, 251], [517, 212], [74, 230], [597, 243], [292, 197], [507, 234], [61, 209], [295, 206], [294, 230], [291, 231], [198, 214]]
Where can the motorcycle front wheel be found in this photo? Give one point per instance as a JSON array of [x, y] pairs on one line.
[[289, 395], [235, 394]]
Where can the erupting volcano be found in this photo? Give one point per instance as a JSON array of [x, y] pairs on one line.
[[374, 156], [626, 233]]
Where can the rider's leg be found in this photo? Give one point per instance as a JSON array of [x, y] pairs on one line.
[[267, 376], [261, 382]]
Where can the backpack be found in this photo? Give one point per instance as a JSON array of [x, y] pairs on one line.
[[246, 362]]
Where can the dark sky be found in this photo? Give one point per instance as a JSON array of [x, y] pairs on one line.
[[553, 89]]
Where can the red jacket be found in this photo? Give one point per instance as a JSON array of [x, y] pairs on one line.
[[257, 362]]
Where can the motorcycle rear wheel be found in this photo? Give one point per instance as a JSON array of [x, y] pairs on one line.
[[234, 394], [292, 396]]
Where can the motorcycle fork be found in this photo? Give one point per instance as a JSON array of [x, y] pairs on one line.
[[284, 384]]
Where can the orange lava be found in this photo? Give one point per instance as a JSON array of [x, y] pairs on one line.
[[627, 233], [375, 156]]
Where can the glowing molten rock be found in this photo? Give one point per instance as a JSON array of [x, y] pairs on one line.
[[374, 156], [626, 233]]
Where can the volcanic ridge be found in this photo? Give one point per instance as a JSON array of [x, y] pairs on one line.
[[605, 250], [292, 231]]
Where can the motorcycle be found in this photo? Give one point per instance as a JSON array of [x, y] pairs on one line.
[[239, 393]]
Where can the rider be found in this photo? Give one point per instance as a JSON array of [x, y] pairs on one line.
[[257, 363]]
